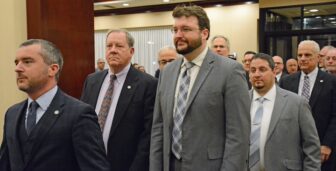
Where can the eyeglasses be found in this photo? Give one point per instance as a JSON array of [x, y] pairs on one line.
[[184, 30]]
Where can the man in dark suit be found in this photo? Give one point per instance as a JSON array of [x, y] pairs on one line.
[[319, 88], [201, 120], [50, 130], [279, 66], [246, 65], [125, 115]]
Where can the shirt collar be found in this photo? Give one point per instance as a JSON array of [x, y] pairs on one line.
[[312, 74], [45, 100], [270, 95], [122, 74], [198, 60]]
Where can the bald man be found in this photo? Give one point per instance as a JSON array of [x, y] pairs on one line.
[[220, 45], [292, 66]]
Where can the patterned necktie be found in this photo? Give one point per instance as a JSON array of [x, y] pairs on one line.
[[180, 110], [105, 107], [31, 118], [255, 134], [306, 88]]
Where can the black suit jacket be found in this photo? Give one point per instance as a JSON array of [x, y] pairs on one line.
[[128, 143], [66, 138], [322, 101]]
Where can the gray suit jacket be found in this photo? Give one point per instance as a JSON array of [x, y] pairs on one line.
[[216, 127], [292, 142]]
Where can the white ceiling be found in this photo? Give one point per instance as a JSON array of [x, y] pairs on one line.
[[134, 3]]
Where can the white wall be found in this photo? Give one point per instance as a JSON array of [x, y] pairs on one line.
[[238, 23]]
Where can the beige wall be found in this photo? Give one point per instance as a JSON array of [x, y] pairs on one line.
[[238, 23], [278, 3], [12, 32]]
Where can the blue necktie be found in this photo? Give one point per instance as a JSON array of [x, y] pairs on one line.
[[255, 134], [31, 118], [180, 110]]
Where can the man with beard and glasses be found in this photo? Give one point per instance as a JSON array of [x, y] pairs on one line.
[[201, 117]]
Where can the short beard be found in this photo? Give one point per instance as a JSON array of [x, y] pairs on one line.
[[191, 47]]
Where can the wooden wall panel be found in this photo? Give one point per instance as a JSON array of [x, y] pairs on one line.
[[68, 24]]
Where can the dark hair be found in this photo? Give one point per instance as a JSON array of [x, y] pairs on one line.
[[196, 11], [265, 57], [129, 37], [49, 52], [249, 52]]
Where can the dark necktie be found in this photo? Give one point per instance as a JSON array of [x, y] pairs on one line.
[[255, 134], [179, 114], [106, 104], [31, 119]]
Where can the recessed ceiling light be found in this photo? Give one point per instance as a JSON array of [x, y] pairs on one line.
[[218, 5], [331, 18], [313, 10], [249, 2], [166, 0], [125, 4]]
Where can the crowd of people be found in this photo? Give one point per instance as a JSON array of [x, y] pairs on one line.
[[203, 112]]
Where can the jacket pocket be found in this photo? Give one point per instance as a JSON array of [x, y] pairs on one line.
[[293, 164], [215, 152]]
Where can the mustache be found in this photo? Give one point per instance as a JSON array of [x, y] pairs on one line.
[[20, 76]]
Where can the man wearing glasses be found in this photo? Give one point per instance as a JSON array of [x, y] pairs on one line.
[[166, 55], [201, 120]]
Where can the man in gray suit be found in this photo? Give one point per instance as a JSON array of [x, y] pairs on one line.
[[283, 134], [201, 118]]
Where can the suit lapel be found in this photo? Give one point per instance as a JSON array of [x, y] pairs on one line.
[[16, 148], [47, 121], [318, 85], [172, 77], [279, 105], [125, 98], [295, 83], [96, 86], [202, 74]]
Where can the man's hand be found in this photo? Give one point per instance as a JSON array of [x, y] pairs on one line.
[[325, 153]]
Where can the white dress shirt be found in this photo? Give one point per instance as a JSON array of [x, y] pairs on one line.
[[278, 76], [118, 84], [266, 118], [193, 72], [43, 102], [312, 78]]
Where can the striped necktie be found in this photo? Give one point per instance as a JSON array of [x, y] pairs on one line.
[[306, 88]]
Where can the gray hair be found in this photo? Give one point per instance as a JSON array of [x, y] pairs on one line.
[[223, 37], [316, 47], [129, 37], [49, 52]]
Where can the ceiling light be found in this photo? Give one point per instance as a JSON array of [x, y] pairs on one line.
[[318, 17], [125, 4], [218, 5], [249, 2], [313, 10], [334, 22], [110, 2], [306, 12], [166, 0], [331, 18]]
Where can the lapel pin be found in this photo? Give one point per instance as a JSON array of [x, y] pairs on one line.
[[129, 87], [56, 112], [321, 81]]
